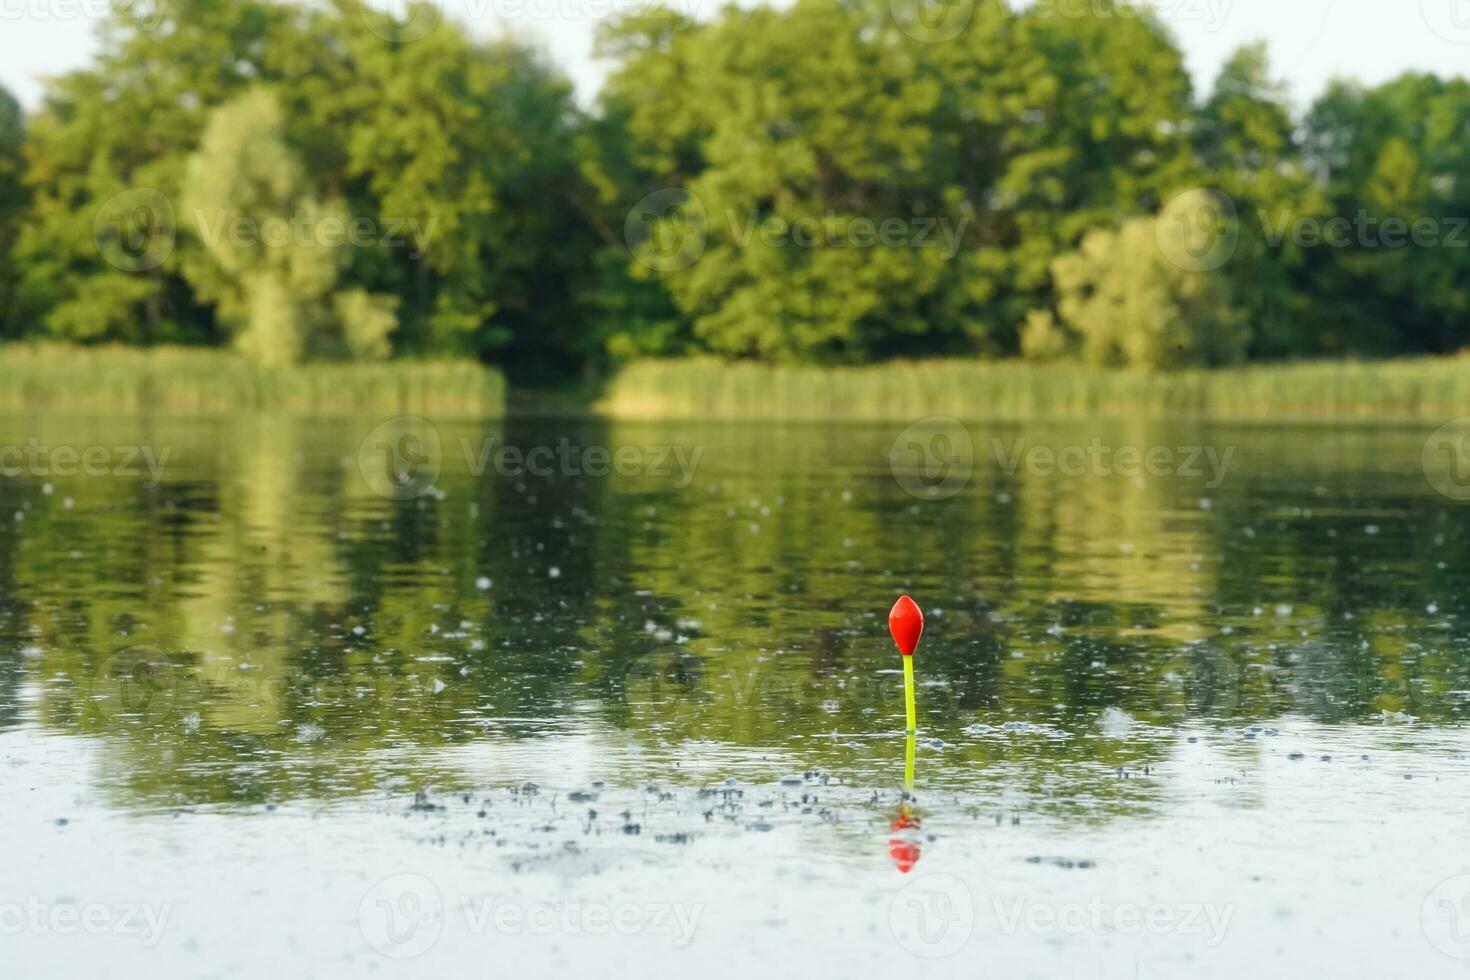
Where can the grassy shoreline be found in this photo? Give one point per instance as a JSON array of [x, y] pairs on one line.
[[197, 380], [700, 388], [183, 379]]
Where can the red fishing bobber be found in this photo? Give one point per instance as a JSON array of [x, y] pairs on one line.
[[906, 623]]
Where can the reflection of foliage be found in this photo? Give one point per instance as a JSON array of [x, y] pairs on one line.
[[311, 639]]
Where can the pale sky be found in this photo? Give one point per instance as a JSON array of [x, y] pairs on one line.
[[1310, 41]]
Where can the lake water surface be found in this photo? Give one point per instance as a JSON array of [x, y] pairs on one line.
[[327, 697]]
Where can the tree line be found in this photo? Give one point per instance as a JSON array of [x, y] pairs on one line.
[[830, 183]]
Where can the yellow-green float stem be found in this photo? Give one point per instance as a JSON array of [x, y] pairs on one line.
[[908, 693]]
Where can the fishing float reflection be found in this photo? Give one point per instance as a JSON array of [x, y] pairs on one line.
[[904, 846]]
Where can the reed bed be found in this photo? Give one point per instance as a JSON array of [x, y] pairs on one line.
[[186, 379], [701, 388]]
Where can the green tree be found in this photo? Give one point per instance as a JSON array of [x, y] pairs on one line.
[[1093, 116], [1247, 145], [460, 158], [272, 248], [1007, 142], [471, 149], [1396, 163], [1124, 299], [97, 252], [12, 203]]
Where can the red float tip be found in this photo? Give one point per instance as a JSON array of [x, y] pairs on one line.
[[906, 623]]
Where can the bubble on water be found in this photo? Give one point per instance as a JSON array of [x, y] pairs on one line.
[[307, 732], [977, 729], [438, 685], [482, 583], [553, 572]]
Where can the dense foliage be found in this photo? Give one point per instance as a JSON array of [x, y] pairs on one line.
[[827, 183]]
